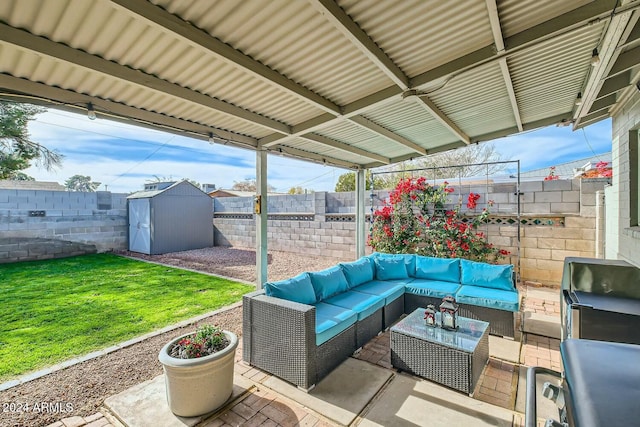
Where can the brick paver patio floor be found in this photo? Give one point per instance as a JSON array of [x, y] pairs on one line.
[[263, 407]]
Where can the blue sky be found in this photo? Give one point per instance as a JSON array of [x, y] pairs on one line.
[[124, 157]]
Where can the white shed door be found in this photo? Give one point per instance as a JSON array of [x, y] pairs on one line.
[[139, 226]]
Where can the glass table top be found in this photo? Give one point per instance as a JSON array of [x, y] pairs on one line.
[[465, 338]]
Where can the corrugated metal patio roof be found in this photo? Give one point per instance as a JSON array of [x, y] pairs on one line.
[[352, 83]]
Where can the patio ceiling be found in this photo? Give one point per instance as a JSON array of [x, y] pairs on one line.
[[352, 83]]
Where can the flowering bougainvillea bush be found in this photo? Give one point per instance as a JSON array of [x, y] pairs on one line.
[[602, 170], [417, 218]]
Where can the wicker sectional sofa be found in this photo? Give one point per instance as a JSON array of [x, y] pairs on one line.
[[301, 328]]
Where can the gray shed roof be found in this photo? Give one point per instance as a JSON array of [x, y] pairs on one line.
[[353, 83], [153, 193]]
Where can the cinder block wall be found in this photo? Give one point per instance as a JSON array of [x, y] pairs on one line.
[[97, 218], [297, 223], [558, 220], [544, 248], [626, 182]]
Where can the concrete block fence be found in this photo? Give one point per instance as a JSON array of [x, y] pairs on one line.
[[96, 219], [558, 219]]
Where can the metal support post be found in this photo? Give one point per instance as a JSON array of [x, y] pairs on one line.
[[360, 215], [260, 210]]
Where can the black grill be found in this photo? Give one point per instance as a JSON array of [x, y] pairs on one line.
[[600, 347]]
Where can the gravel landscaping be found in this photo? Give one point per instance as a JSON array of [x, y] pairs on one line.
[[81, 389]]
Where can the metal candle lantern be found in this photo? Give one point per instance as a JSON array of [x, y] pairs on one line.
[[449, 313], [430, 315]]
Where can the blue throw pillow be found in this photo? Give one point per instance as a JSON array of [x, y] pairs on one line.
[[329, 282], [389, 268], [440, 269], [298, 289], [487, 275], [409, 260], [358, 272]]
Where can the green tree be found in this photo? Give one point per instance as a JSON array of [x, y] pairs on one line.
[[21, 176], [347, 182], [17, 150], [81, 183]]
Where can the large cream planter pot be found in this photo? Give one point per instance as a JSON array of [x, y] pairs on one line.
[[202, 385]]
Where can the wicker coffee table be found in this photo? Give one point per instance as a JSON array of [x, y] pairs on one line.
[[452, 358]]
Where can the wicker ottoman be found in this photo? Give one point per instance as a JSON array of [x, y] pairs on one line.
[[452, 358]]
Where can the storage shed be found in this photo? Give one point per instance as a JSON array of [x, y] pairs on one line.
[[173, 217]]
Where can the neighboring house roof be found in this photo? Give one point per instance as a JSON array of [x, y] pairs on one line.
[[229, 193], [7, 184], [568, 170]]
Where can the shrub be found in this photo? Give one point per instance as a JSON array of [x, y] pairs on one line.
[[415, 219]]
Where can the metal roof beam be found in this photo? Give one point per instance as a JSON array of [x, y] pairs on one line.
[[634, 35], [350, 110], [614, 84], [79, 58], [432, 108], [560, 25], [343, 22], [307, 155], [345, 147], [490, 136], [554, 27], [603, 103], [408, 157], [625, 61], [386, 133], [619, 27], [508, 82], [494, 20], [560, 119], [592, 118], [176, 25], [75, 102], [374, 100]]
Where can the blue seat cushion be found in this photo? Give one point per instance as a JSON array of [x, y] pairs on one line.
[[358, 272], [487, 297], [331, 320], [298, 289], [487, 275], [361, 303], [432, 288], [328, 282], [441, 269], [390, 290]]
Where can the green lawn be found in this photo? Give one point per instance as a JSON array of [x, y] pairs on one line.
[[53, 310]]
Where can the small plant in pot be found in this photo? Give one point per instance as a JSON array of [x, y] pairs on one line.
[[198, 370]]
